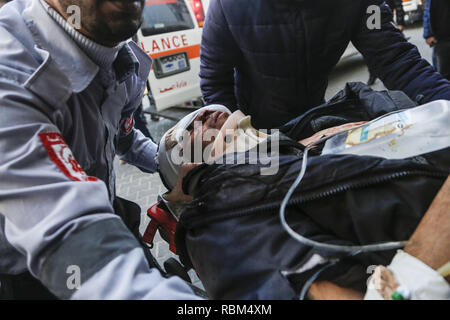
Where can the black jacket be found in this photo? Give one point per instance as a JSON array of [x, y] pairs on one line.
[[231, 232], [440, 19], [272, 58]]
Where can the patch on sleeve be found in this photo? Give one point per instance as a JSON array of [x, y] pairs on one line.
[[127, 124], [60, 153]]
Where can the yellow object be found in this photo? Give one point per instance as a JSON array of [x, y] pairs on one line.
[[368, 133], [444, 270]]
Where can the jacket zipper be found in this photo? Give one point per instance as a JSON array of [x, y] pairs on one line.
[[359, 183]]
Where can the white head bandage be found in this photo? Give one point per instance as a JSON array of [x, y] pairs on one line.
[[170, 146]]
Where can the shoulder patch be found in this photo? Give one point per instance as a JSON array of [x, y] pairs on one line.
[[60, 153], [127, 124]]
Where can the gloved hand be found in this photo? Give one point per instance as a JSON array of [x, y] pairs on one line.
[[407, 278]]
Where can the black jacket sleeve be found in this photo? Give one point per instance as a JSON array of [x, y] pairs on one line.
[[396, 61]]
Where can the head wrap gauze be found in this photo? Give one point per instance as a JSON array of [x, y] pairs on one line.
[[168, 169]]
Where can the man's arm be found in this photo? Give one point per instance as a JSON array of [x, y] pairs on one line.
[[427, 31], [136, 149], [60, 219], [413, 270], [219, 56], [430, 243], [132, 146], [396, 61]]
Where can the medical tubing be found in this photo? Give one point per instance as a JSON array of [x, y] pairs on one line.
[[325, 246], [313, 278]]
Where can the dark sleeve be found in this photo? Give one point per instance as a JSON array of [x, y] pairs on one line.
[[396, 61], [219, 56], [427, 31]]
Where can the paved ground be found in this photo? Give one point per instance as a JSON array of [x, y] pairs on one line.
[[144, 188]]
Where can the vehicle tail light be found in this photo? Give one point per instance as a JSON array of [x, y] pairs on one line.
[[197, 7]]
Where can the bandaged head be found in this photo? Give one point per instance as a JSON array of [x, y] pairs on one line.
[[170, 153]]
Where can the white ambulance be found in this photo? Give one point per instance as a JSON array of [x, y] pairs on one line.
[[171, 35]]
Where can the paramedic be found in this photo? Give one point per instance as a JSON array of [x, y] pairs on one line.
[[67, 95], [272, 59]]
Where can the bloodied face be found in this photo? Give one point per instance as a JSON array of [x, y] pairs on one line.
[[205, 121]]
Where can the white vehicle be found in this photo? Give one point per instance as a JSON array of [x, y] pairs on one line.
[[413, 10], [171, 36]]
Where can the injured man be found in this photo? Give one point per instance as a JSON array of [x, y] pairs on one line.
[[283, 215]]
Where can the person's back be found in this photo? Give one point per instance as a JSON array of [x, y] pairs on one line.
[[272, 59]]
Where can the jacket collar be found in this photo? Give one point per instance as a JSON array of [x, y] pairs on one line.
[[132, 59], [49, 36], [66, 67]]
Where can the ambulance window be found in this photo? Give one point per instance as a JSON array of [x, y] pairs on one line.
[[162, 16]]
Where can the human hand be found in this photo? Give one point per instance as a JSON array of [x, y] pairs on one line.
[[400, 27], [177, 195], [431, 41], [384, 281]]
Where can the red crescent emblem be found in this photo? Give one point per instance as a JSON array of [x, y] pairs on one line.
[[127, 125], [60, 153]]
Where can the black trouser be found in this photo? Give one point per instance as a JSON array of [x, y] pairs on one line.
[[442, 51], [25, 287]]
